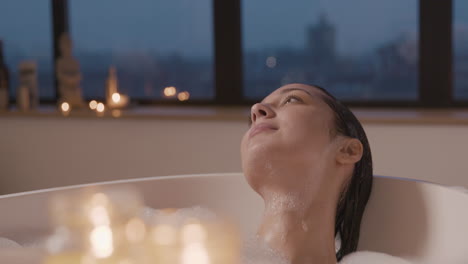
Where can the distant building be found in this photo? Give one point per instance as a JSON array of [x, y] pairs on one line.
[[321, 41]]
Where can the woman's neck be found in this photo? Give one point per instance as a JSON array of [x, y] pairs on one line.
[[301, 232]]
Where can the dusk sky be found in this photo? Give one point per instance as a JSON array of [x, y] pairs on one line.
[[185, 26]]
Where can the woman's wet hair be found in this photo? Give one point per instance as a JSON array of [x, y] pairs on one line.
[[354, 197]]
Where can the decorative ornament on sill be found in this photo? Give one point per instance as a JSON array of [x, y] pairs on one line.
[[27, 92], [68, 74], [114, 99]]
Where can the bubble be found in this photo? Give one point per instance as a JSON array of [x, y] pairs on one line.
[[8, 243]]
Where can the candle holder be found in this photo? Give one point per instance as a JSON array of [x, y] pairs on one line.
[[114, 99]]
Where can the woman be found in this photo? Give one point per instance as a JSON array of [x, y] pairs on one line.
[[308, 157]]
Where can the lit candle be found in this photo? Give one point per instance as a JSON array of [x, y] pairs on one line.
[[183, 96], [100, 108], [118, 101], [170, 91], [97, 228], [93, 104], [116, 98], [65, 108]]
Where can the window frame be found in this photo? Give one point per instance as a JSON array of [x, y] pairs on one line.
[[435, 76]]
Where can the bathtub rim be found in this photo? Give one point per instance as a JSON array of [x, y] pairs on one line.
[[204, 175]]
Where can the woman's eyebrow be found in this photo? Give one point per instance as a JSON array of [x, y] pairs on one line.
[[286, 90]]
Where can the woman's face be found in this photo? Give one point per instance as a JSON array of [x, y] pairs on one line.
[[290, 131]]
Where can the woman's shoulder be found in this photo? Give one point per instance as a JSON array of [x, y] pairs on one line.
[[369, 257]]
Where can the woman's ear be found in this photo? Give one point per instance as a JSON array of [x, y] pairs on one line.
[[350, 151]]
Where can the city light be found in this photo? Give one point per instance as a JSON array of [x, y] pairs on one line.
[[183, 96], [271, 62], [170, 91]]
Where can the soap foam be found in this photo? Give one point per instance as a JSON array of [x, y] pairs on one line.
[[368, 257], [8, 243], [175, 217]]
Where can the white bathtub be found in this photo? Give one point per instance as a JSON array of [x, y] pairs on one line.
[[418, 221]]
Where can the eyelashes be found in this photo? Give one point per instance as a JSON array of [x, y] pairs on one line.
[[289, 99]]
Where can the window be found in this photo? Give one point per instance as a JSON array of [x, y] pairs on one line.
[[26, 31], [152, 44], [332, 44], [366, 52], [460, 44]]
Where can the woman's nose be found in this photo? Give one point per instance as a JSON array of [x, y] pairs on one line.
[[260, 110]]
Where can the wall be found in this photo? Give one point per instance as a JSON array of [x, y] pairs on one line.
[[46, 152]]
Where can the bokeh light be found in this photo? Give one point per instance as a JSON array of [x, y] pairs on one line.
[[183, 96], [100, 107], [115, 97], [164, 235], [170, 91], [65, 107], [271, 62], [93, 104]]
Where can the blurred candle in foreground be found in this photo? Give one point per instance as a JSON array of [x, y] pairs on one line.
[[184, 238], [106, 226], [96, 227]]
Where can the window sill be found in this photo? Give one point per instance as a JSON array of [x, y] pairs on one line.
[[367, 116]]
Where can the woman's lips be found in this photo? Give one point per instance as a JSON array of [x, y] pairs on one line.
[[259, 128]]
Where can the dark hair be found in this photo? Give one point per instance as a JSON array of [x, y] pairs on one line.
[[354, 197]]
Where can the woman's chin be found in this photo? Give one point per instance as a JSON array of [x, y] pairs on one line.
[[254, 178], [257, 173]]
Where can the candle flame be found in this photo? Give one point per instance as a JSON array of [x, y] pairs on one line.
[[116, 97], [100, 107], [170, 91], [93, 104], [183, 96], [65, 107]]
